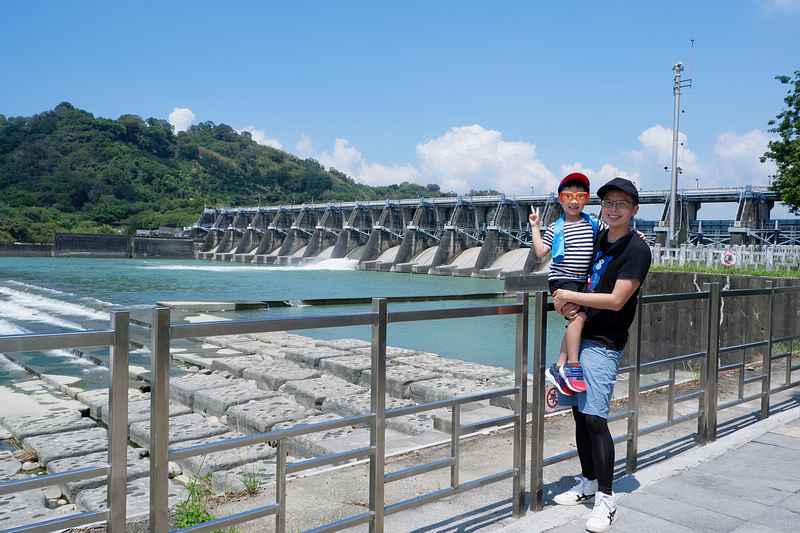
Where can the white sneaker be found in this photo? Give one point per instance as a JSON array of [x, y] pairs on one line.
[[604, 513], [582, 492]]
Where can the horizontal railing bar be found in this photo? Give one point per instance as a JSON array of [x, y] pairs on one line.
[[782, 388], [456, 312], [754, 344], [242, 327], [342, 524], [60, 524], [330, 459], [673, 360], [450, 491], [33, 342], [663, 298], [657, 385], [413, 409], [754, 379], [734, 403], [38, 482], [664, 425], [272, 436], [232, 520], [620, 416], [417, 470], [494, 422], [744, 292], [690, 396]]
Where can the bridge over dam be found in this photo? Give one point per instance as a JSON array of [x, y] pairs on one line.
[[480, 236]]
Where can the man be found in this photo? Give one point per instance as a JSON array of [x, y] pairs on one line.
[[619, 266]]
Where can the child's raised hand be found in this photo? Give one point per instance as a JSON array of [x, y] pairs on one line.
[[534, 217]]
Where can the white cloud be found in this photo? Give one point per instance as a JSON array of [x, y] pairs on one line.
[[657, 143], [181, 118], [305, 148], [471, 157], [739, 158], [260, 136]]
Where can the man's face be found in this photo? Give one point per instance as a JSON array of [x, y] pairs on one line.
[[620, 211]]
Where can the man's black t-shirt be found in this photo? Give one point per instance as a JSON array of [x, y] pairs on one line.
[[626, 258]]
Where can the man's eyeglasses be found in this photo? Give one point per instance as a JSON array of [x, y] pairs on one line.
[[580, 197], [621, 205]]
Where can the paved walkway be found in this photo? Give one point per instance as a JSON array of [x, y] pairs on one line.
[[747, 481]]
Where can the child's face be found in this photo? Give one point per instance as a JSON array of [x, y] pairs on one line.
[[573, 207]]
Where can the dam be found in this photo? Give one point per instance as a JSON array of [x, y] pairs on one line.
[[477, 236]]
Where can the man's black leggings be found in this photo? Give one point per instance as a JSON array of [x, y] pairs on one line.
[[595, 449]]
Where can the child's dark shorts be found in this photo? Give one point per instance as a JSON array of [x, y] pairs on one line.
[[569, 285]]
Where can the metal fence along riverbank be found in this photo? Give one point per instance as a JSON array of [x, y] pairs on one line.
[[764, 365]]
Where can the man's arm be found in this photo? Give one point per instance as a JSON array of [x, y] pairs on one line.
[[613, 301]]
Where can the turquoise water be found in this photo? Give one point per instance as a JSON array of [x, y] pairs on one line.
[[46, 294]]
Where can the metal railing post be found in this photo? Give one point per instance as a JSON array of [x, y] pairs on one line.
[[766, 365], [711, 364], [280, 486], [159, 421], [633, 390], [521, 404], [378, 406], [118, 422], [537, 398]]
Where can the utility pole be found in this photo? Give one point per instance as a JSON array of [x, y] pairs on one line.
[[673, 197]]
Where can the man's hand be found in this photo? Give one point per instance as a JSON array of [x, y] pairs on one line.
[[562, 304]]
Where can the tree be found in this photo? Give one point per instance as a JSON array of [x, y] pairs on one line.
[[786, 151]]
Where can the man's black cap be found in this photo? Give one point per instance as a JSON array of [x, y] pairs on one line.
[[619, 184]]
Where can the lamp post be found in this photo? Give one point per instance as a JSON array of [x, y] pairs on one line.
[[673, 197]]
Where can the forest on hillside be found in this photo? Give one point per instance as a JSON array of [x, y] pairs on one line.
[[66, 170]]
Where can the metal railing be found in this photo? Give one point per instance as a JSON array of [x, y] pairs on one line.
[[116, 469], [707, 360]]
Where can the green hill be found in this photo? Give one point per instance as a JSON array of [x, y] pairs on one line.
[[65, 170]]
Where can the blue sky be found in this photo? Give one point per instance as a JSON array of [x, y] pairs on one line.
[[505, 95]]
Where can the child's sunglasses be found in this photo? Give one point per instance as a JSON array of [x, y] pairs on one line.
[[580, 197]]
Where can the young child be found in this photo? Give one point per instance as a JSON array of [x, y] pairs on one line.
[[570, 240]]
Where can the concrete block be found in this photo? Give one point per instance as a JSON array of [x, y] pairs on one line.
[[24, 508], [137, 500], [310, 393], [343, 344], [392, 352], [181, 428], [359, 404], [140, 410], [205, 464], [235, 365], [455, 367], [136, 467], [261, 415], [68, 444], [97, 399], [444, 421], [282, 339], [399, 379], [349, 368], [216, 401], [271, 375], [445, 388], [50, 422], [311, 357], [183, 388]]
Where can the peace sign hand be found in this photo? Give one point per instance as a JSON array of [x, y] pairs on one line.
[[534, 217]]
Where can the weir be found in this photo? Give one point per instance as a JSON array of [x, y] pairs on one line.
[[479, 236]]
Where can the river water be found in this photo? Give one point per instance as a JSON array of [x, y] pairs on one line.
[[45, 294]]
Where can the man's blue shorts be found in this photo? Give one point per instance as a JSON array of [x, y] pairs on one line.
[[600, 366]]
